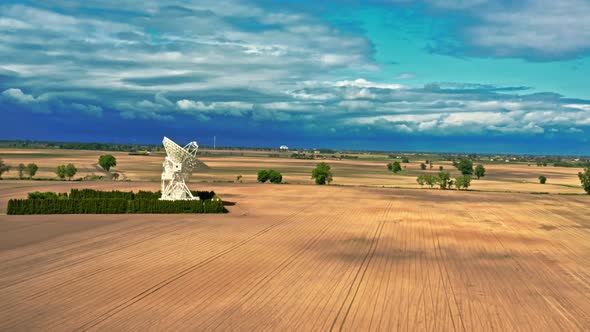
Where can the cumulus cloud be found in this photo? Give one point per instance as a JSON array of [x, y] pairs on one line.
[[18, 96], [227, 58]]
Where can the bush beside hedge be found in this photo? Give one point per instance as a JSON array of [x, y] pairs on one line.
[[89, 201]]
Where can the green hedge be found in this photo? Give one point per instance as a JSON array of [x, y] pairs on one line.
[[66, 206], [129, 195], [156, 206], [111, 206], [89, 201]]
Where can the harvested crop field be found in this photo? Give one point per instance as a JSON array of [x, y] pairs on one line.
[[225, 166], [297, 257]]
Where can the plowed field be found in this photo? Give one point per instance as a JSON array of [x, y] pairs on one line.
[[298, 257]]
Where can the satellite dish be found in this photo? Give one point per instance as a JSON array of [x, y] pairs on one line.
[[178, 166]]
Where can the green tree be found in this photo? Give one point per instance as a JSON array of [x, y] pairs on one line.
[[480, 171], [444, 180], [263, 176], [440, 168], [32, 169], [585, 179], [395, 167], [405, 160], [61, 171], [542, 179], [21, 170], [3, 168], [428, 179], [275, 176], [71, 170], [322, 173], [421, 180], [465, 166], [107, 161], [422, 166], [463, 182]]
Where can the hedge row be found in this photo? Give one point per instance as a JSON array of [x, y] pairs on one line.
[[111, 206], [156, 206], [129, 195], [66, 206]]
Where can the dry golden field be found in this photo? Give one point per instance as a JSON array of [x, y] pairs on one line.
[[302, 257], [224, 168]]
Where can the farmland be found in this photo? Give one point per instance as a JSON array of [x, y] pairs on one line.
[[296, 256], [368, 170]]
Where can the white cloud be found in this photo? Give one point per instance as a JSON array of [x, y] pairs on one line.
[[362, 83], [405, 76], [18, 96]]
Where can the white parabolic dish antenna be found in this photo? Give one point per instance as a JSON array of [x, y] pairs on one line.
[[178, 166]]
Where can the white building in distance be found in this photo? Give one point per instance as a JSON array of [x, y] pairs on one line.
[[284, 148]]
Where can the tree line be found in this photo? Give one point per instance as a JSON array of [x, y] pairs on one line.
[[68, 171]]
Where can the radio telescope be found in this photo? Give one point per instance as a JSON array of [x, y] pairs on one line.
[[178, 166]]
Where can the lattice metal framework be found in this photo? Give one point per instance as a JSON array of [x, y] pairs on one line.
[[178, 166]]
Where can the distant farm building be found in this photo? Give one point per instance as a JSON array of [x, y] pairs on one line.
[[284, 148]]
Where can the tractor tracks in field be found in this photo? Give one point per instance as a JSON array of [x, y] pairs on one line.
[[357, 280], [88, 258], [160, 285]]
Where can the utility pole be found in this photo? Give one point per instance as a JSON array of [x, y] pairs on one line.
[[214, 141]]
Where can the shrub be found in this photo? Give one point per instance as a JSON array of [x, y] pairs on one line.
[[395, 167], [275, 176], [322, 174], [263, 176], [405, 160], [542, 179], [422, 166]]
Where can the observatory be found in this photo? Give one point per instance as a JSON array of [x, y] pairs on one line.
[[178, 166]]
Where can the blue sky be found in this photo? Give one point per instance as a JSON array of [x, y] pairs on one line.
[[429, 75]]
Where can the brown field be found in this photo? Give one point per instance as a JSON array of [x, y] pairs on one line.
[[302, 258], [355, 257]]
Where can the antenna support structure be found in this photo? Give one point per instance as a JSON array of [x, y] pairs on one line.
[[178, 166]]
